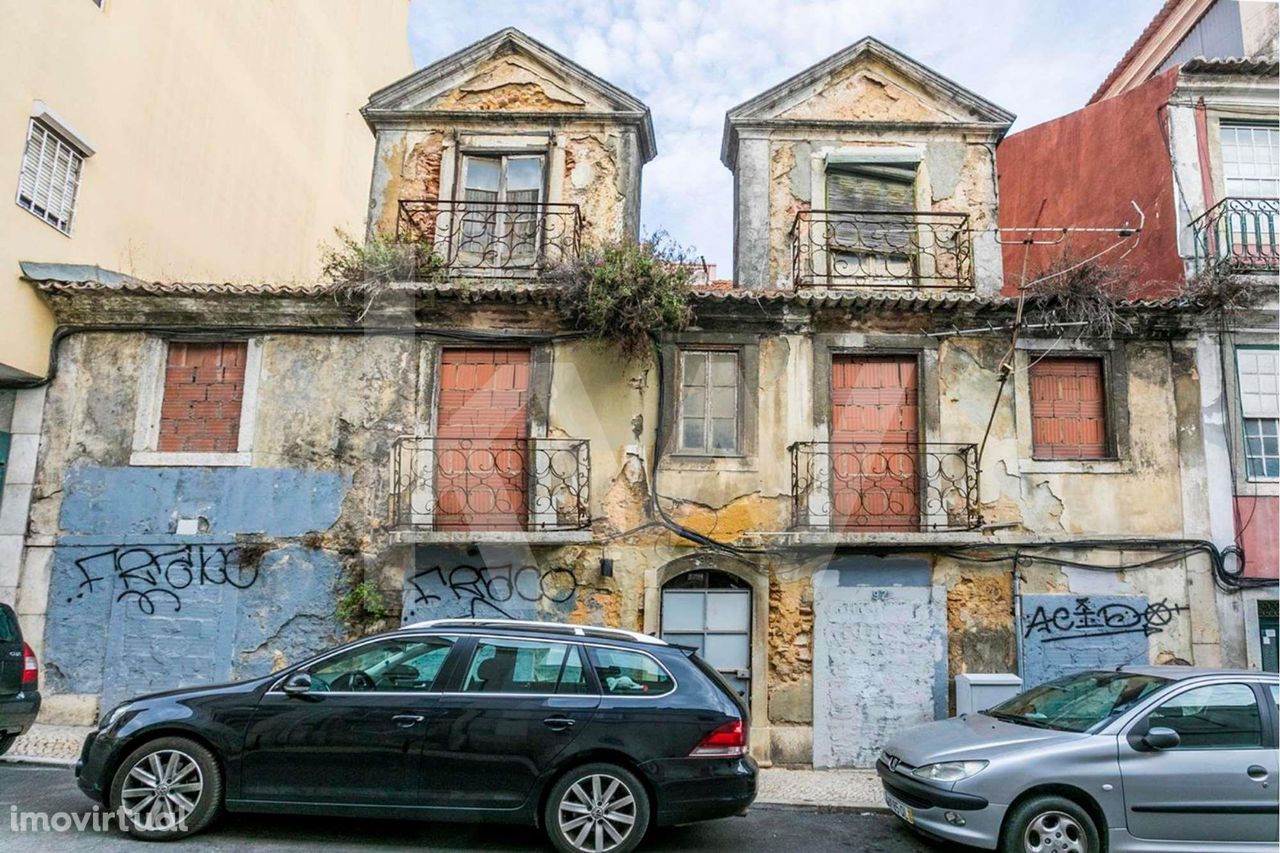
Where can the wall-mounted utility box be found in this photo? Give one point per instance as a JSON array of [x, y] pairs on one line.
[[977, 691]]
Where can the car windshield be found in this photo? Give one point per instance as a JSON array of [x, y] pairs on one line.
[[1077, 703]]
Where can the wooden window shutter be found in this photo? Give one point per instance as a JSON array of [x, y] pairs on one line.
[[1068, 409], [871, 188]]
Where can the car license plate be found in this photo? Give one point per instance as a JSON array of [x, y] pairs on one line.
[[899, 808]]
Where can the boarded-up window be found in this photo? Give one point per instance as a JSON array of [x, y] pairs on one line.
[[1068, 409], [203, 396]]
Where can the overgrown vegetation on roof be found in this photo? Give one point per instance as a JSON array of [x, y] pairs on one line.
[[1221, 294], [1083, 299], [381, 260], [622, 293]]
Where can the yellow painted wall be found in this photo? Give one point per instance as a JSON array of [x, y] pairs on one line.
[[228, 139]]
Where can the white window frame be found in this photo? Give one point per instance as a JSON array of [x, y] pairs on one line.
[[706, 450], [53, 143], [1259, 400], [1231, 129], [146, 428]]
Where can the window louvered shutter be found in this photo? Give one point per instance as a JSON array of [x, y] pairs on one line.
[[871, 187]]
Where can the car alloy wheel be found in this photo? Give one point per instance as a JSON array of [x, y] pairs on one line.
[[597, 813], [1055, 832], [161, 790]]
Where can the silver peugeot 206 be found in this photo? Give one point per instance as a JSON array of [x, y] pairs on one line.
[[1159, 759]]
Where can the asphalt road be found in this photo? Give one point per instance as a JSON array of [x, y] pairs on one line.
[[30, 788]]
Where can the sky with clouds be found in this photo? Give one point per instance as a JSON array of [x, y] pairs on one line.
[[692, 61]]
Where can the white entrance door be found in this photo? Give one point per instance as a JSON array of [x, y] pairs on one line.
[[711, 611]]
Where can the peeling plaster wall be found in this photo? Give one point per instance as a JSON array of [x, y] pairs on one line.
[[590, 160], [885, 110]]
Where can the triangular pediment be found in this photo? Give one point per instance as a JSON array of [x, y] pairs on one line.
[[869, 82], [507, 72]]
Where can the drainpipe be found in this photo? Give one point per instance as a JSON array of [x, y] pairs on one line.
[[1017, 618]]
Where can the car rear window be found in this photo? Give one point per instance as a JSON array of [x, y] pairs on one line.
[[624, 673], [8, 626]]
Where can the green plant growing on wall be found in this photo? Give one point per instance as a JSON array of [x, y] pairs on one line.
[[622, 293], [361, 607]]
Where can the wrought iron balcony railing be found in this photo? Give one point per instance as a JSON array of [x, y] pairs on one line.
[[456, 484], [850, 248], [1240, 233], [866, 486], [491, 238]]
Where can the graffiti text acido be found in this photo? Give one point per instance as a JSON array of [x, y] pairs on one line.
[[1085, 620]]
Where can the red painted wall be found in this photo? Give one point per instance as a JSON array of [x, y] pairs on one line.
[[1082, 169], [1260, 538]]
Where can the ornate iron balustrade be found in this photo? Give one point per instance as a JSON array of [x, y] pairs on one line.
[[538, 484], [858, 248], [1239, 233], [490, 237], [853, 486]]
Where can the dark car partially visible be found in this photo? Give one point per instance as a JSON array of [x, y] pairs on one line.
[[591, 734], [19, 681]]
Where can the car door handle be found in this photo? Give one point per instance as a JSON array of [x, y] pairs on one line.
[[558, 724], [1257, 771], [407, 721]]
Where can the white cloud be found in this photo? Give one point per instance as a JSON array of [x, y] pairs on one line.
[[691, 61]]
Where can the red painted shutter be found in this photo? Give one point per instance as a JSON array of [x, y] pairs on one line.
[[482, 446], [1068, 409], [875, 424]]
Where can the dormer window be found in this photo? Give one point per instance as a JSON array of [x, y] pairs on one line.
[[503, 195], [863, 199]]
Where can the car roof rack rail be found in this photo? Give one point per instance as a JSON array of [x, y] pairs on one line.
[[597, 631]]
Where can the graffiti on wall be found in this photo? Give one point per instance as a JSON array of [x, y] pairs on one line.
[[506, 591], [154, 577], [1064, 633], [1085, 619]]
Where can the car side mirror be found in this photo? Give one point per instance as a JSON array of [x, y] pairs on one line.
[[1161, 737], [297, 684]]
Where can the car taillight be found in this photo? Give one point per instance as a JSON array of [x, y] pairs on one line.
[[30, 669], [727, 741]]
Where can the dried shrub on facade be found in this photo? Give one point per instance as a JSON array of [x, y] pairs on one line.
[[1223, 295], [621, 294], [381, 260], [1084, 299]]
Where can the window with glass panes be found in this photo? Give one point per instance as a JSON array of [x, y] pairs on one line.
[[503, 193], [50, 176], [1258, 378], [1251, 160], [708, 402]]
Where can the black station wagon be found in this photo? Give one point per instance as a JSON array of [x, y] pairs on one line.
[[593, 734]]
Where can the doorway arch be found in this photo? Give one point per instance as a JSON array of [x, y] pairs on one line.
[[711, 610]]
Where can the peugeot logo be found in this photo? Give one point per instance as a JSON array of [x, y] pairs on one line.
[[894, 761]]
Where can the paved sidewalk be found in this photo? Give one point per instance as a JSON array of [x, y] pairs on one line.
[[843, 789]]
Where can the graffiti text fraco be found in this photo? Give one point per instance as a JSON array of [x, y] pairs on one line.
[[154, 577]]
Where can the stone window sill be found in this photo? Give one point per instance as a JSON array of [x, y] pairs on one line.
[[1075, 466], [195, 460]]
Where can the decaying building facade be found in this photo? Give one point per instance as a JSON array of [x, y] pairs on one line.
[[847, 481]]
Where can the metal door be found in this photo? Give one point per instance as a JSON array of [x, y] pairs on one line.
[[875, 443], [482, 442], [712, 611]]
